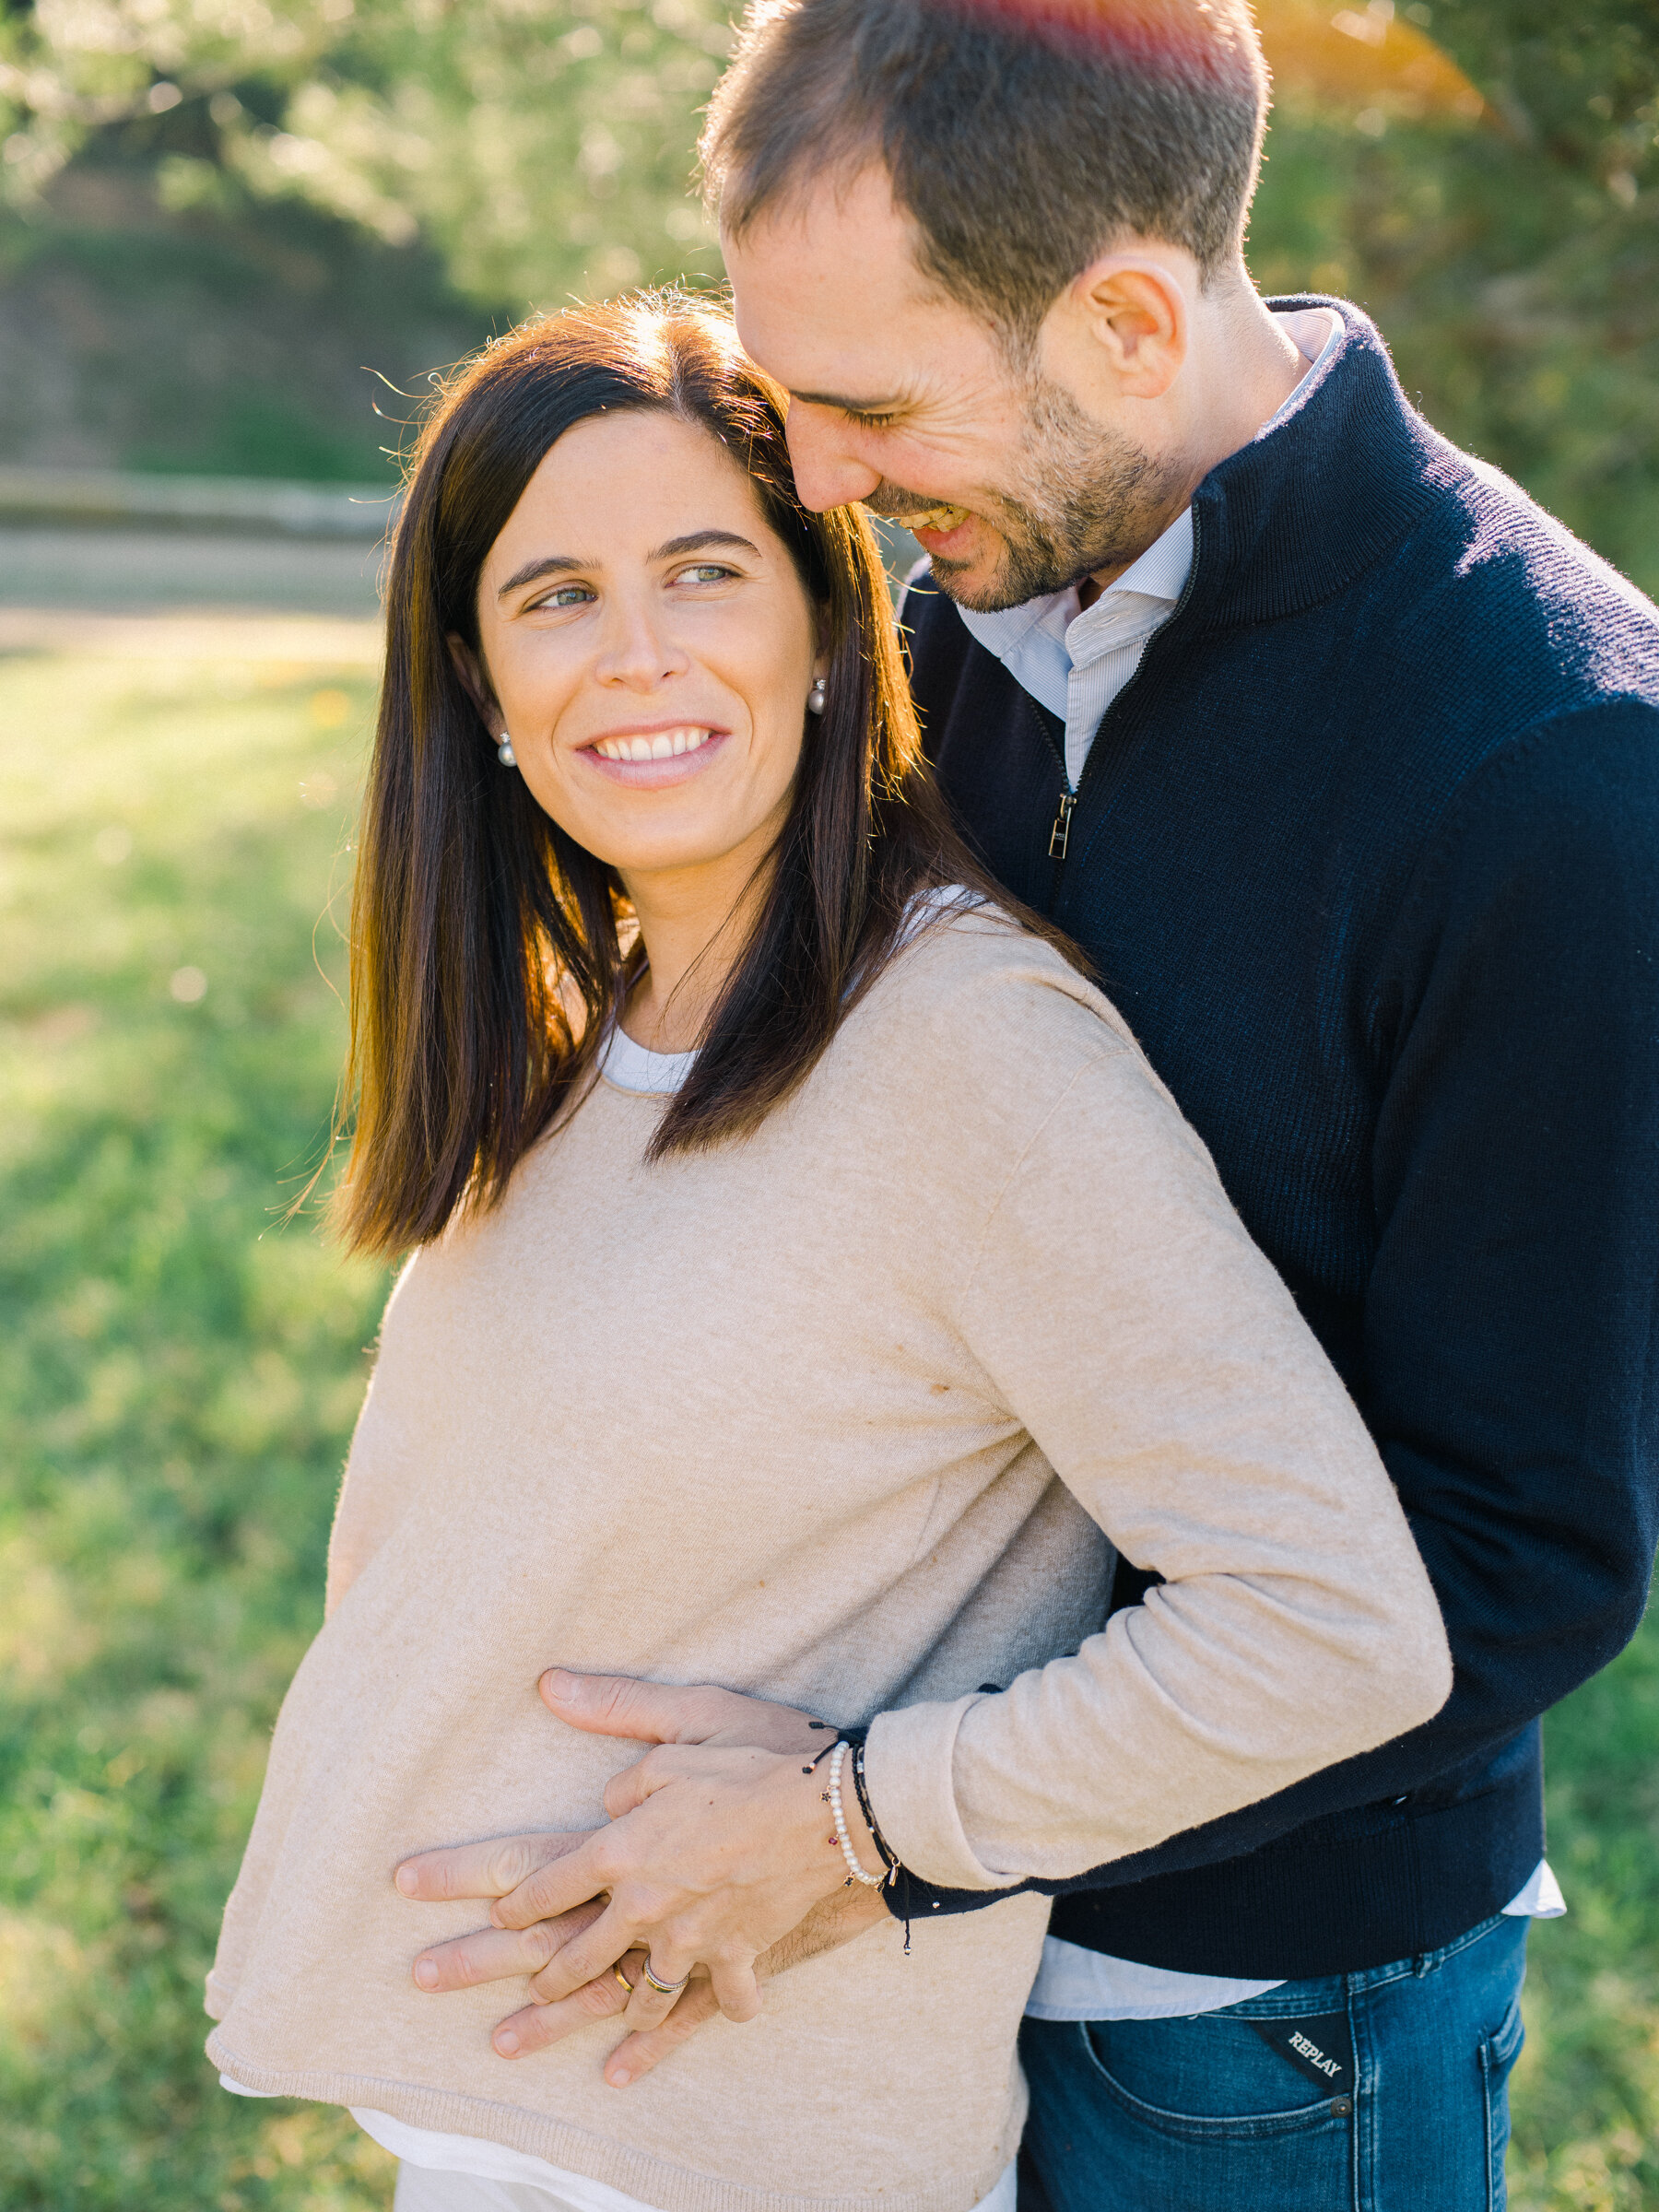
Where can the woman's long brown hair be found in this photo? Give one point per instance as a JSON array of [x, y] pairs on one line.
[[484, 951]]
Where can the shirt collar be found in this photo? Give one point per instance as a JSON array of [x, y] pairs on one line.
[[1158, 574], [1162, 570]]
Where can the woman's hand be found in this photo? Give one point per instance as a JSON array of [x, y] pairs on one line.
[[714, 1852], [718, 1852], [837, 1921]]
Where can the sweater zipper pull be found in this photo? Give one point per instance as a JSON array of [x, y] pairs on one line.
[[1060, 836]]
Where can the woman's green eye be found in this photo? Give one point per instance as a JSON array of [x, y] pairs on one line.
[[709, 572], [562, 595]]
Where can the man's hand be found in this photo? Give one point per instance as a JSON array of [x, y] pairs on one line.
[[716, 1842], [658, 1712]]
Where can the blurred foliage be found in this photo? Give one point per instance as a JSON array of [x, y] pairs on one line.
[[293, 319], [1480, 173], [1511, 258], [1586, 2089], [541, 146]]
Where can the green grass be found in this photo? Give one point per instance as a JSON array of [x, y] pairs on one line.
[[1586, 2089], [179, 1373]]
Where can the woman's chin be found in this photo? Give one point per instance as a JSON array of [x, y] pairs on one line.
[[665, 846]]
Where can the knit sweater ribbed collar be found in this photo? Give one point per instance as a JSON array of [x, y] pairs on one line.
[[1312, 501]]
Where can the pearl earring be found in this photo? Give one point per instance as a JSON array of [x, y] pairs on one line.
[[816, 697], [505, 752]]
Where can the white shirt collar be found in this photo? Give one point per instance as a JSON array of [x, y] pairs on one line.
[[1158, 575]]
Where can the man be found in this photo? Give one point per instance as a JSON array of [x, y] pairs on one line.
[[1342, 763]]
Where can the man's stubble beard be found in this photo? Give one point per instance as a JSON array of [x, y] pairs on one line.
[[1087, 499]]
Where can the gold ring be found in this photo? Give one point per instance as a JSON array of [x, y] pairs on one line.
[[627, 1987], [664, 1989]]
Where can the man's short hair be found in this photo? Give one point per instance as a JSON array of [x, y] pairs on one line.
[[1022, 137]]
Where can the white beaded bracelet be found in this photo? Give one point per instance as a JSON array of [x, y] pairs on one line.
[[870, 1881]]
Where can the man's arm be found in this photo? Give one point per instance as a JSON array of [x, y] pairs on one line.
[[1511, 1343]]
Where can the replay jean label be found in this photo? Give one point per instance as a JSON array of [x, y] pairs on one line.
[[1242, 2108]]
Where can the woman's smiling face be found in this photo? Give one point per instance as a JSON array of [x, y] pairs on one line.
[[651, 646]]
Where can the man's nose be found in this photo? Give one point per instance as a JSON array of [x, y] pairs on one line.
[[826, 473]]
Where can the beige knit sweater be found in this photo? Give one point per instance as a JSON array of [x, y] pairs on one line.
[[845, 1414]]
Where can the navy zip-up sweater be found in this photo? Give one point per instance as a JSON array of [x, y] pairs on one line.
[[1368, 855]]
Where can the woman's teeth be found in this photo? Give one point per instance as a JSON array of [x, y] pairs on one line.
[[664, 746]]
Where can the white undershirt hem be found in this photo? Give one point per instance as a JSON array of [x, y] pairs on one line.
[[481, 2159], [1075, 1983]]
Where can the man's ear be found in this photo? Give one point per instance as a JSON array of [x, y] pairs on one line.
[[1133, 311], [475, 682]]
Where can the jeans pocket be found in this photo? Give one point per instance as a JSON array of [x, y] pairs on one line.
[[1499, 2053], [1226, 2086]]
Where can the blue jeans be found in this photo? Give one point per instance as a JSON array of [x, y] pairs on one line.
[[1382, 2091]]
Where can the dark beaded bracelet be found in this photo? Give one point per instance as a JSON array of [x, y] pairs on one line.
[[882, 1852], [898, 1884]]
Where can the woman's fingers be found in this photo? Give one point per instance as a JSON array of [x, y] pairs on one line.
[[586, 1957], [538, 2025], [651, 2005], [677, 1762], [703, 2001], [668, 1763], [497, 1954], [557, 1884], [640, 2053], [489, 1869], [671, 1870]]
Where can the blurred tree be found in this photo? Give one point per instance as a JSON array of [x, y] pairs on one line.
[[1479, 173], [1505, 235], [543, 146]]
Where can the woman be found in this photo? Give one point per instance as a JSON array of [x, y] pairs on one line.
[[812, 1281]]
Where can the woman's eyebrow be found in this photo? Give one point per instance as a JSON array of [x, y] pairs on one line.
[[555, 564], [675, 548], [698, 542]]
